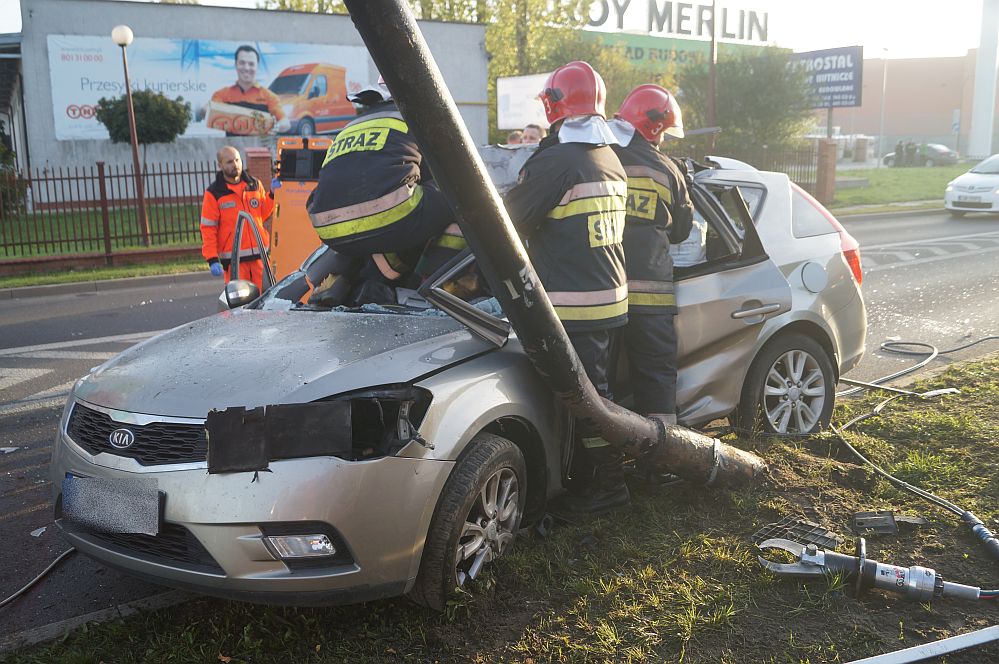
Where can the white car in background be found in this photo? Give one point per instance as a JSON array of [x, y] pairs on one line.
[[975, 191]]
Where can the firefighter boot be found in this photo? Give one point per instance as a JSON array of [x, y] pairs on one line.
[[603, 489]]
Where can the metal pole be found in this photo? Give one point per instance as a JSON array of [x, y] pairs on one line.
[[881, 126], [712, 73], [139, 193], [398, 49]]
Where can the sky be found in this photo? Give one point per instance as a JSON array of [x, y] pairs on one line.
[[906, 28]]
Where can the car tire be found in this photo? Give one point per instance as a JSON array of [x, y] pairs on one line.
[[930, 163], [761, 411], [491, 468], [957, 214], [306, 127], [889, 161]]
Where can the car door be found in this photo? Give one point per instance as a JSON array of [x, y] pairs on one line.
[[723, 302]]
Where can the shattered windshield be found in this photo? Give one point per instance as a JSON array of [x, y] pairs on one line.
[[322, 285]]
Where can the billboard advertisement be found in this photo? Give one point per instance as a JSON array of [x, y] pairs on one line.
[[835, 75], [234, 88]]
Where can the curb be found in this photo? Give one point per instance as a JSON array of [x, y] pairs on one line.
[[105, 285], [872, 216]]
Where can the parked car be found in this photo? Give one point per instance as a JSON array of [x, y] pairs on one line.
[[314, 98], [975, 191], [927, 154], [416, 439]]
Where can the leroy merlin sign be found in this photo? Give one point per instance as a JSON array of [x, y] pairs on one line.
[[683, 19]]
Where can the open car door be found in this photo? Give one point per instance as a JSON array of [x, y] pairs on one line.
[[723, 302]]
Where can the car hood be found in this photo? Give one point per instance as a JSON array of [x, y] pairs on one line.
[[977, 180], [253, 358]]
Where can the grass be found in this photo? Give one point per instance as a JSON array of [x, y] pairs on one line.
[[82, 231], [674, 578], [893, 185], [101, 274]]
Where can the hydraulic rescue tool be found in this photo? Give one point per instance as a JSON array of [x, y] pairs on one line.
[[916, 582]]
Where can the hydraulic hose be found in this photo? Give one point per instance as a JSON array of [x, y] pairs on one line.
[[38, 578], [400, 52]]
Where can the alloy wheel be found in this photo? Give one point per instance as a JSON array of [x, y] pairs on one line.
[[489, 527], [794, 394]]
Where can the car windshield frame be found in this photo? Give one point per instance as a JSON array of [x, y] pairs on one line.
[[990, 163]]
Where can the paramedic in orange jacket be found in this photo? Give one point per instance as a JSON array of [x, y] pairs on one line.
[[234, 191]]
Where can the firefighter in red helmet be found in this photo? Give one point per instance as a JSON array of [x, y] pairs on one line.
[[659, 212], [569, 206]]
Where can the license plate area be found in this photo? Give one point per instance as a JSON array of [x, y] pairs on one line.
[[118, 505], [969, 199]]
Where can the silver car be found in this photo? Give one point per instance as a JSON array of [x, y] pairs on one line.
[[286, 452]]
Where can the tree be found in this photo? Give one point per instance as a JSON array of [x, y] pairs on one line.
[[179, 2], [761, 100], [157, 119], [308, 6]]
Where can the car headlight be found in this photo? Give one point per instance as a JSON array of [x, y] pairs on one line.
[[359, 425], [950, 187]]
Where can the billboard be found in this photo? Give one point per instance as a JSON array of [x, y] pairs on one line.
[[835, 75], [301, 88]]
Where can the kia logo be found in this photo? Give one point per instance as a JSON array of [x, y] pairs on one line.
[[121, 438]]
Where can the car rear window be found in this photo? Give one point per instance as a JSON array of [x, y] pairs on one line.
[[806, 219]]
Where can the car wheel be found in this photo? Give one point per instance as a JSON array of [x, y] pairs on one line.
[[789, 388], [306, 127], [957, 214], [889, 161], [477, 517], [930, 163]]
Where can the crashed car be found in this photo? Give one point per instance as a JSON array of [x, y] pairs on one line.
[[286, 451]]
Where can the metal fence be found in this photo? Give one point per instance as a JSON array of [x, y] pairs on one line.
[[800, 163], [55, 212]]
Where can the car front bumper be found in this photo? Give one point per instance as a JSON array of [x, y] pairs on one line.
[[212, 540], [971, 202]]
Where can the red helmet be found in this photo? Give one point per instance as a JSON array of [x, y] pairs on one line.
[[574, 89], [653, 111]]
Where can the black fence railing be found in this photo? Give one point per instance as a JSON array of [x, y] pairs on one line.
[[799, 163], [94, 210]]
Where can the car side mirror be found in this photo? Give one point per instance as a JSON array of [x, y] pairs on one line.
[[239, 292]]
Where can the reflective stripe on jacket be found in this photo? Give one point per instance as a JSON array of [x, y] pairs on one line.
[[369, 179], [570, 207], [659, 211], [220, 209], [440, 250]]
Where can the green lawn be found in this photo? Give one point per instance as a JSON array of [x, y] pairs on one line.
[[82, 231], [892, 185], [673, 578]]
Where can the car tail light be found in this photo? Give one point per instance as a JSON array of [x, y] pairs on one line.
[[848, 245]]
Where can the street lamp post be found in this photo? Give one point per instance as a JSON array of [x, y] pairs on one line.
[[881, 128], [122, 36]]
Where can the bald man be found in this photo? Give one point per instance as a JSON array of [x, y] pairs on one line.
[[232, 192]]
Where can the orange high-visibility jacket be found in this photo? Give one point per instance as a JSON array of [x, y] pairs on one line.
[[219, 210]]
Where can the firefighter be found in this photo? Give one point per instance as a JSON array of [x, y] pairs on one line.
[[374, 197], [569, 206], [659, 212], [232, 192]]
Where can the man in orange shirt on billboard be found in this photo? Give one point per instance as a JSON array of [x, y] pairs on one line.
[[247, 93], [234, 191]]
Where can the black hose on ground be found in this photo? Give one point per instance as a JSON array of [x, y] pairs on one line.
[[41, 575]]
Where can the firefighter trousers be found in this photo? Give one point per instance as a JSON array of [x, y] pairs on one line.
[[649, 342]]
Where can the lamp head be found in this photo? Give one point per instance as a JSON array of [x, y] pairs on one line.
[[122, 35]]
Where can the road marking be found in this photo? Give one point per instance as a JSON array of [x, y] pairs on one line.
[[930, 259], [938, 240], [65, 355], [135, 336], [22, 407], [10, 377], [27, 510], [57, 391], [11, 469], [24, 489]]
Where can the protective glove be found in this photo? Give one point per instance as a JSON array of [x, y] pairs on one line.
[[216, 269]]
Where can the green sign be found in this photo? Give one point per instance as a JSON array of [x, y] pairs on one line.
[[650, 52]]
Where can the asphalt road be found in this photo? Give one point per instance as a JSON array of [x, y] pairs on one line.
[[927, 278]]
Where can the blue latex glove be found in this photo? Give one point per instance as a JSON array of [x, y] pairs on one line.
[[216, 269]]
